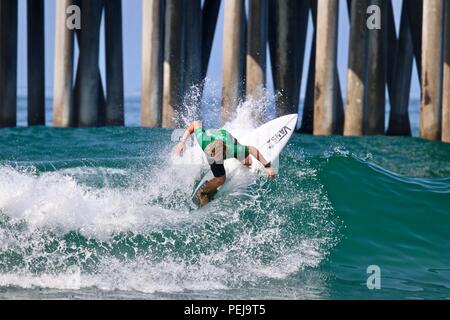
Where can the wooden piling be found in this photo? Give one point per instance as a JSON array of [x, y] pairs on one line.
[[377, 74], [173, 61], [210, 12], [357, 70], [233, 57], [288, 21], [36, 62], [432, 49], [446, 89], [152, 62], [400, 88], [8, 63], [325, 106], [114, 113], [63, 106], [257, 32]]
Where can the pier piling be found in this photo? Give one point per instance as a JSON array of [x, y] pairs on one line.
[[357, 70], [414, 9], [210, 12], [432, 48], [88, 86], [173, 61], [325, 105], [114, 113], [288, 22], [401, 82], [446, 89], [193, 55], [36, 62], [177, 41], [8, 63], [152, 62], [233, 57], [307, 125], [63, 104], [377, 74], [257, 32]]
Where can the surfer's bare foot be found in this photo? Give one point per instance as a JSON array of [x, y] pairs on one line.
[[202, 197]]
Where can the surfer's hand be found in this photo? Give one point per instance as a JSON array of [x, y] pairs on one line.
[[180, 148], [271, 173]]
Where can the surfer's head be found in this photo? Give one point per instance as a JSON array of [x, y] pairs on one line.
[[216, 151]]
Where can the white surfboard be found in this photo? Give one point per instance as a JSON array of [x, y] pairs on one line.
[[269, 139]]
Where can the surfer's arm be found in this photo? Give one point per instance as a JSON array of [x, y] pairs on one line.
[[181, 146]]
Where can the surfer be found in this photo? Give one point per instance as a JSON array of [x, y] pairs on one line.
[[219, 146]]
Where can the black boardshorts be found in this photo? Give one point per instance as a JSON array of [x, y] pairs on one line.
[[218, 170]]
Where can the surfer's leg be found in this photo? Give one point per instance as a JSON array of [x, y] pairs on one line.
[[258, 155], [208, 189], [211, 186], [247, 161]]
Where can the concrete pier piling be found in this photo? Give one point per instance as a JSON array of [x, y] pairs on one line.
[[177, 42], [36, 62], [307, 125], [233, 57], [173, 61], [88, 87], [377, 74], [446, 88], [257, 33], [391, 48], [210, 13], [152, 62], [193, 43], [432, 54], [357, 70], [101, 101], [193, 55], [8, 63], [401, 82], [114, 113], [414, 9], [325, 106], [287, 34], [308, 108], [63, 103]]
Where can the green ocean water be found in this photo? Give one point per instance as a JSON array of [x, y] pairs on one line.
[[105, 213]]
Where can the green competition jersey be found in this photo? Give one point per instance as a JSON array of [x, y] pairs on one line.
[[239, 151]]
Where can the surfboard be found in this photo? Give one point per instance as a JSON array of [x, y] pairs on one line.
[[270, 139]]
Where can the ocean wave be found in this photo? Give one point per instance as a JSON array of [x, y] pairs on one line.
[[109, 209]]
